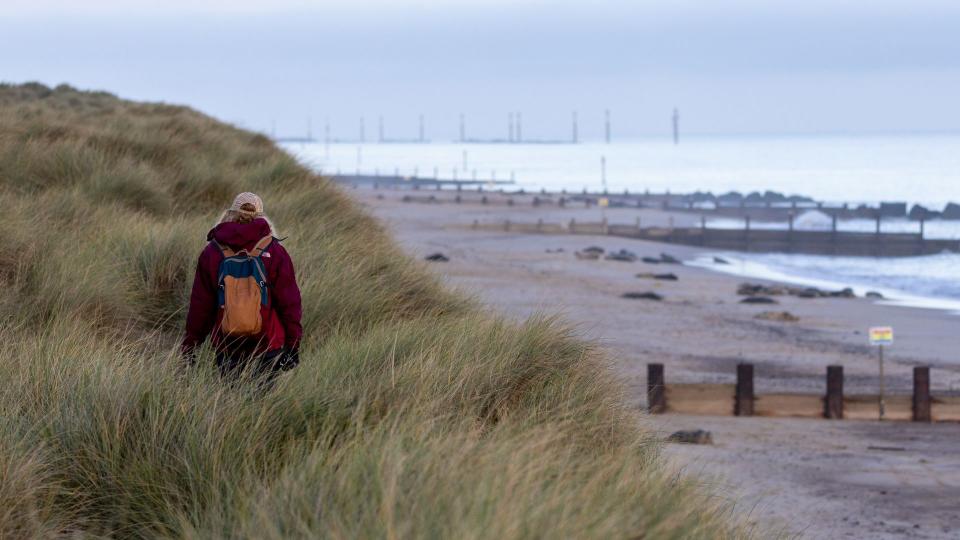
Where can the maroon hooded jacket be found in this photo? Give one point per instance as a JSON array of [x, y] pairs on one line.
[[281, 325]]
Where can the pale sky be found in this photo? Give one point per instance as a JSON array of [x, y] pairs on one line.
[[739, 66]]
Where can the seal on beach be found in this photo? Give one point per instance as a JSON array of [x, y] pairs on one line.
[[622, 255], [669, 259]]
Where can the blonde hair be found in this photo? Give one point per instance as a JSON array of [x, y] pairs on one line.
[[246, 207]]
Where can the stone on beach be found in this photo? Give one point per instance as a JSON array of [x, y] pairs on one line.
[[720, 260], [758, 300], [696, 436], [664, 277], [650, 260], [781, 316], [642, 296], [437, 257]]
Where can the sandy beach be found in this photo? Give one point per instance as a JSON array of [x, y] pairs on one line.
[[819, 478]]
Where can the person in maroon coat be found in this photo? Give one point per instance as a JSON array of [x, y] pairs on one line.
[[277, 347]]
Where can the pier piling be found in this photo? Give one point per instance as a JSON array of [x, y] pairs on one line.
[[656, 394], [743, 399], [833, 402], [921, 394]]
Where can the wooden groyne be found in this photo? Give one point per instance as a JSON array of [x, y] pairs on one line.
[[740, 399], [415, 182], [769, 206], [832, 242]]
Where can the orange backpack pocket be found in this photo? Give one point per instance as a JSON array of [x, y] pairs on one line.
[[241, 306]]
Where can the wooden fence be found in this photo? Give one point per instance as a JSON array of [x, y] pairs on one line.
[[740, 399]]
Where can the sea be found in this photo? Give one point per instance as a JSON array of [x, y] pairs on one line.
[[913, 168]]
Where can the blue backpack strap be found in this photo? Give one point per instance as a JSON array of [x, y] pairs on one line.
[[225, 250]]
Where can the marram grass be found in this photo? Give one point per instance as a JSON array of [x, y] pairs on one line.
[[413, 415]]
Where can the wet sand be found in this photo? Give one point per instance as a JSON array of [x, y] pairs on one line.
[[816, 476]]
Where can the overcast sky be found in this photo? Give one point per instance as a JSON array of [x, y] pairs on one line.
[[736, 66]]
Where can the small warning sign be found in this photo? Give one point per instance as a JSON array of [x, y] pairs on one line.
[[604, 202], [881, 335]]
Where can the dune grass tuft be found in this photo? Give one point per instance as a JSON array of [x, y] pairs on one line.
[[413, 413]]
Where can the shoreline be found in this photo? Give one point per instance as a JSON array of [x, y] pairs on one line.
[[752, 269], [815, 476]]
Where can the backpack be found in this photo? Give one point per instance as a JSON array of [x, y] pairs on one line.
[[242, 285]]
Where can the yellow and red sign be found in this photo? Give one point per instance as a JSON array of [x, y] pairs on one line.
[[881, 335]]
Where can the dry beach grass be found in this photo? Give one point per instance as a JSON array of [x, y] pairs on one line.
[[413, 414]]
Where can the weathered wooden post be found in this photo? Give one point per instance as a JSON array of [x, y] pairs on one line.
[[483, 200], [790, 217], [921, 394], [703, 230], [540, 225], [923, 241], [573, 226], [457, 199], [656, 390], [562, 202], [743, 400], [639, 230], [833, 233], [604, 226], [746, 233], [833, 402], [877, 239]]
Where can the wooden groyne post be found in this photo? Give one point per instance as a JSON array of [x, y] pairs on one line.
[[921, 394], [833, 402], [743, 399], [656, 390]]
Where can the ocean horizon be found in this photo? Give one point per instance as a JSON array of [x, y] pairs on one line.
[[912, 168]]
